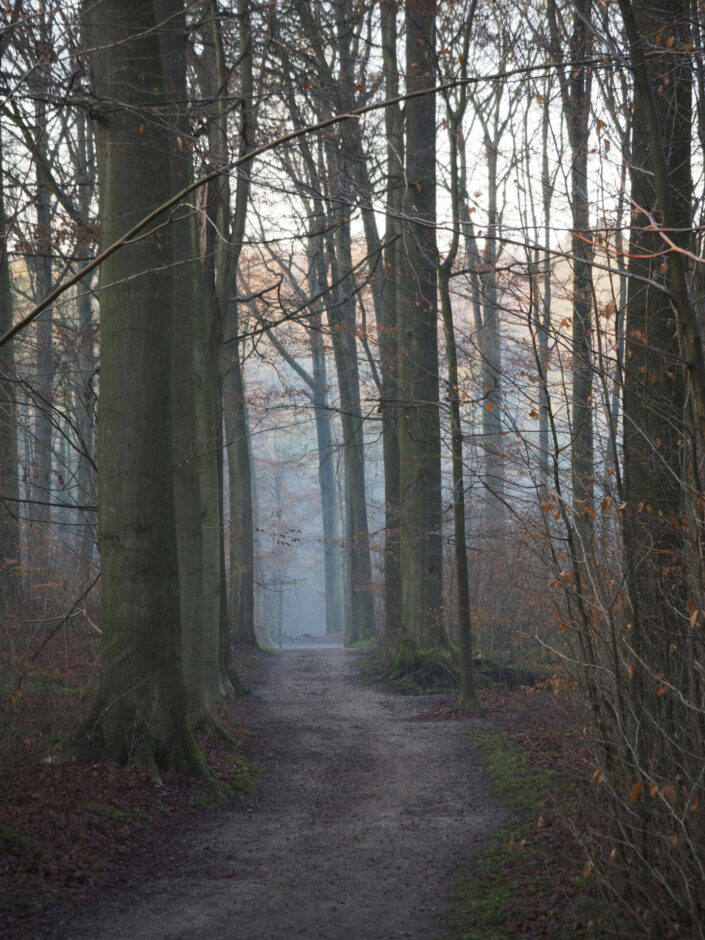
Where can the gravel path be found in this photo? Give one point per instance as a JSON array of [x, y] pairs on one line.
[[364, 816]]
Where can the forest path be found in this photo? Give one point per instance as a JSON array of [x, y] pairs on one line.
[[364, 815]]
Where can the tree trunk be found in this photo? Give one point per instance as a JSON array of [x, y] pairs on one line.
[[655, 384], [241, 610], [140, 713], [42, 488], [359, 608], [417, 359], [196, 480], [242, 523], [575, 90], [490, 345], [543, 313], [10, 569], [387, 326], [582, 466], [332, 548]]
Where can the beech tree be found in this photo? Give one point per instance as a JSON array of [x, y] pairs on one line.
[[417, 352], [10, 583], [195, 458], [589, 419], [140, 711], [575, 91], [387, 321], [467, 698]]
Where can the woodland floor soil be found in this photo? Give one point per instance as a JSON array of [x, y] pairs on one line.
[[367, 806]]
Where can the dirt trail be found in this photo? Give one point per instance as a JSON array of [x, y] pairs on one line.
[[364, 815]]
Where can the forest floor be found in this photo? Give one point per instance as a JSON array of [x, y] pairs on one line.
[[367, 815]]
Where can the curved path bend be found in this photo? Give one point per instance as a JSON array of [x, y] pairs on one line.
[[363, 818]]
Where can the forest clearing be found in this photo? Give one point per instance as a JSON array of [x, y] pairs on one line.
[[375, 326]]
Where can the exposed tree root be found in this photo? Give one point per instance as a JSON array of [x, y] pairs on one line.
[[153, 749]]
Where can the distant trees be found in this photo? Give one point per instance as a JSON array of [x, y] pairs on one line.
[[552, 434]]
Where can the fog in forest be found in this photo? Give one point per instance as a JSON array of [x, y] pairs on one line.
[[352, 468]]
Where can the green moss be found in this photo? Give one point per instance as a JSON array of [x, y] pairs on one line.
[[517, 784], [514, 871], [364, 643], [418, 671], [243, 779], [483, 906]]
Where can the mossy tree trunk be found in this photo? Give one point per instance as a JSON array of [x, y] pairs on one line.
[[140, 713]]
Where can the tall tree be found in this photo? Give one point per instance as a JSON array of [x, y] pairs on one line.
[[575, 80], [317, 391], [655, 386], [467, 697], [387, 322], [196, 477], [334, 91], [242, 521], [417, 358], [140, 711], [10, 583], [41, 267]]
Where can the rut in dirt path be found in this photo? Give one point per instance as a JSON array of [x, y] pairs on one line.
[[365, 813]]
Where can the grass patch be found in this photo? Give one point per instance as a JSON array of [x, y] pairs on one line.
[[365, 643], [524, 884], [243, 780], [519, 786]]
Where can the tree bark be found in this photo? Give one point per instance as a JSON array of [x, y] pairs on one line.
[[655, 381], [242, 522], [10, 568], [42, 488], [575, 90], [387, 325], [359, 609], [196, 480], [417, 359], [332, 547], [140, 713]]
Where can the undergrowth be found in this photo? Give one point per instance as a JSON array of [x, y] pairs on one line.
[[418, 671], [410, 671], [518, 886]]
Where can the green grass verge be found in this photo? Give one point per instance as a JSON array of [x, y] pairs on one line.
[[512, 889]]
